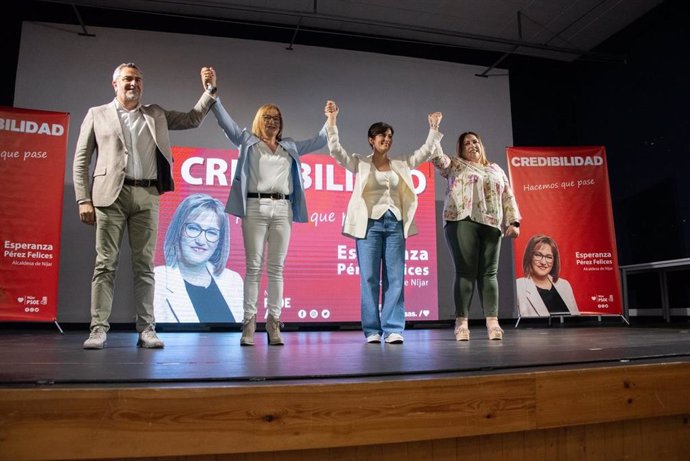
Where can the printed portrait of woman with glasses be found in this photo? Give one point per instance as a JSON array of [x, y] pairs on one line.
[[195, 286], [542, 292]]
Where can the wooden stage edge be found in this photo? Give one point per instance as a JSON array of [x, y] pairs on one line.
[[641, 408]]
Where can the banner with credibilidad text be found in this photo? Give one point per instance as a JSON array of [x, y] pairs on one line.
[[564, 197], [33, 146], [321, 272]]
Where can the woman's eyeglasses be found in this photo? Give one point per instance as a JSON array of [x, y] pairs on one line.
[[268, 118], [193, 230], [542, 257]]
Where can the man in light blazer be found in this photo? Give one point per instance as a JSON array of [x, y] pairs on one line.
[[132, 168]]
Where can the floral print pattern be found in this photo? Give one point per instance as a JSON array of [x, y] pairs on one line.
[[482, 193]]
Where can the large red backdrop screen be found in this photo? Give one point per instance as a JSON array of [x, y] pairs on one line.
[[321, 274]]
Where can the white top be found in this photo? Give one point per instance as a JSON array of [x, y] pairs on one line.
[[357, 216], [382, 193], [139, 143], [269, 171]]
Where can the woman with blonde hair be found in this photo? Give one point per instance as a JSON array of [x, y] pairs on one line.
[[267, 193]]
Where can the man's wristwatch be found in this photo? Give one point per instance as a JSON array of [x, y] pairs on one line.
[[212, 90]]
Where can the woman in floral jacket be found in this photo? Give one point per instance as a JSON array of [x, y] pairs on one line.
[[479, 209]]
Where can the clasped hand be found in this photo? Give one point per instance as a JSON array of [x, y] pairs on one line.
[[331, 111], [435, 119], [208, 77]]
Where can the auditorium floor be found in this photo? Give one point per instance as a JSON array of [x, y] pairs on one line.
[[46, 357]]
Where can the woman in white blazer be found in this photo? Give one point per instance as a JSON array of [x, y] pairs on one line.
[[541, 292], [380, 216], [195, 286]]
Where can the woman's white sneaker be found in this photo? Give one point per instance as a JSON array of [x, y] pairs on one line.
[[394, 338]]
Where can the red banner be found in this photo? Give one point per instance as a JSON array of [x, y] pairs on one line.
[[567, 233], [33, 146], [321, 272]]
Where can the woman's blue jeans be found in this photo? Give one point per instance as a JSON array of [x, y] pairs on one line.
[[381, 258]]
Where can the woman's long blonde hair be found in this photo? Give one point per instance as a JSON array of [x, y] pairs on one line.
[[258, 126]]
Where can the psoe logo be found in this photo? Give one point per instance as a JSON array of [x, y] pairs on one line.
[[28, 300], [602, 298]]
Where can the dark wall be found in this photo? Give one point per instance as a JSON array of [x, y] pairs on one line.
[[645, 121], [543, 103], [638, 110]]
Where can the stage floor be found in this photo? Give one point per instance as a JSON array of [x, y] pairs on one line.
[[46, 357]]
